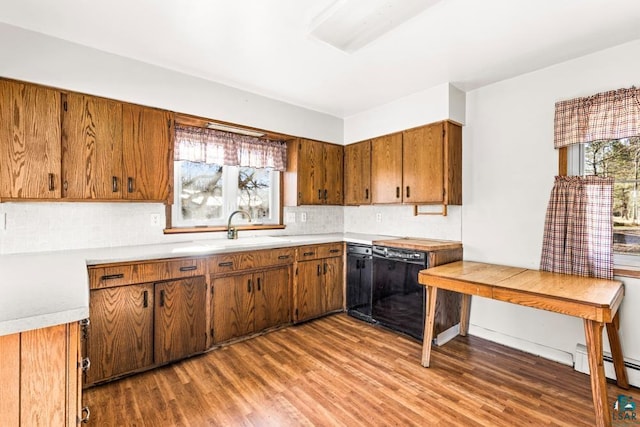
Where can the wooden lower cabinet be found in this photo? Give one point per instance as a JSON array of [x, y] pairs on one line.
[[243, 304], [134, 327], [179, 319], [39, 377], [319, 285]]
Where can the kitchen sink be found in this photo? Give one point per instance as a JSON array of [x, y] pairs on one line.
[[218, 244]]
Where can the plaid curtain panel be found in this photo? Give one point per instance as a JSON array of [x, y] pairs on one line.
[[223, 148], [603, 116], [578, 230]]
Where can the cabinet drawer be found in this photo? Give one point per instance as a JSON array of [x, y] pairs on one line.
[[271, 257], [106, 277], [319, 251], [249, 260], [184, 268]]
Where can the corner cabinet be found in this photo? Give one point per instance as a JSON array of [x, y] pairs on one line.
[[418, 166], [314, 174], [40, 377], [29, 142], [318, 284]]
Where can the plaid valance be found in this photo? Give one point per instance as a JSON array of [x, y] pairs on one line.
[[224, 148], [604, 116]]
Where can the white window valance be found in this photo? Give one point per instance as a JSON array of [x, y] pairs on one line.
[[604, 116], [224, 148]]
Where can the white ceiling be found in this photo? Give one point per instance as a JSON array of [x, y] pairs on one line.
[[263, 46]]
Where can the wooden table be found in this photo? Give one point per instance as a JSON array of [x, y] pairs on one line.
[[594, 300]]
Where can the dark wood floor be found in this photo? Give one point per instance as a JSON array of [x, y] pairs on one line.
[[340, 371]]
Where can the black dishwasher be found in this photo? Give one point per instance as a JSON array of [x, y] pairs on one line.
[[359, 280]]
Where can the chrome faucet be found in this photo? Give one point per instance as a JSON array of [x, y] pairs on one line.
[[232, 232]]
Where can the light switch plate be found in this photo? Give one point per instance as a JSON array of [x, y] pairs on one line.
[[291, 217], [155, 220]]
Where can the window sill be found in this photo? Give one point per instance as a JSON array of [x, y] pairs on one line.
[[206, 229], [627, 271]]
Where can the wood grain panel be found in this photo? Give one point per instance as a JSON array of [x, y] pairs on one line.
[[309, 292], [121, 331], [43, 377], [91, 147], [386, 169], [333, 284], [179, 319], [272, 298], [310, 172], [357, 173], [426, 245], [332, 185], [147, 153], [233, 307], [30, 154], [339, 371], [423, 164], [453, 164], [10, 379]]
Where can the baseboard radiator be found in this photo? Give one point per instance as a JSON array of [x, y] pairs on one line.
[[582, 365]]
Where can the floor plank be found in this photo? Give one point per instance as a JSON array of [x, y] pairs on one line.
[[340, 371]]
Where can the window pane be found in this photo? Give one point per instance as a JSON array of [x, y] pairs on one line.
[[621, 160], [201, 191], [254, 192]]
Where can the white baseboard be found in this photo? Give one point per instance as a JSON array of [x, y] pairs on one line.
[[446, 336], [582, 365], [527, 346]]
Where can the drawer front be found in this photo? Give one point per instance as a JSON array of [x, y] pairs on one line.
[[106, 277], [269, 257], [328, 250], [189, 267], [228, 263]]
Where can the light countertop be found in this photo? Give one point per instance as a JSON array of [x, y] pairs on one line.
[[49, 288]]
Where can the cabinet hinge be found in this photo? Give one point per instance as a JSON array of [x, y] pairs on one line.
[[444, 132], [64, 105], [169, 123]]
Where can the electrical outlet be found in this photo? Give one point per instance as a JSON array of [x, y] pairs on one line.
[[379, 217], [155, 220], [303, 217], [291, 217]]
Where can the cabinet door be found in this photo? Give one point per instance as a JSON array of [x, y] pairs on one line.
[[309, 293], [179, 321], [423, 164], [121, 331], [91, 148], [333, 284], [357, 173], [272, 300], [147, 153], [310, 172], [233, 307], [29, 141], [332, 187], [386, 169]]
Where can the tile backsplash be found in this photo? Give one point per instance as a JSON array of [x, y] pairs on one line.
[[45, 226]]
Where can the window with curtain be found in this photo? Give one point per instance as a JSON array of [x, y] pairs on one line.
[[216, 173], [594, 213]]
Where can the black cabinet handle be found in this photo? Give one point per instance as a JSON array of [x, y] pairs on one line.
[[319, 270], [308, 253], [319, 194], [130, 185], [334, 251], [249, 285], [283, 257], [145, 299], [366, 194], [407, 191], [114, 184], [259, 287], [112, 276], [325, 194], [52, 182], [189, 268], [225, 264], [162, 298], [357, 264], [397, 192], [325, 268]]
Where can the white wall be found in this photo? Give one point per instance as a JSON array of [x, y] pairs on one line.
[[509, 166]]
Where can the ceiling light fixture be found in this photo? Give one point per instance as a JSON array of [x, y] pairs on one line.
[[233, 129], [351, 24]]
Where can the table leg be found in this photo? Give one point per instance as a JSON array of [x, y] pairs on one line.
[[429, 324], [465, 312], [616, 353], [593, 334]]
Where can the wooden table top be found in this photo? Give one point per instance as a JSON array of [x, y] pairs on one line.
[[586, 297], [426, 245]]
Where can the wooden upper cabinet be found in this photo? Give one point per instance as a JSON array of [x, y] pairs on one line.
[[314, 173], [357, 173], [91, 147], [386, 169], [147, 153], [423, 164], [29, 141]]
